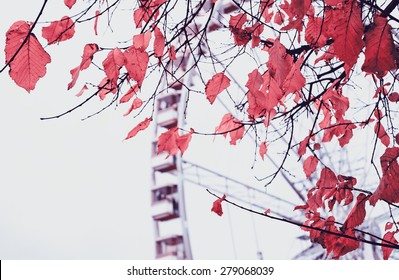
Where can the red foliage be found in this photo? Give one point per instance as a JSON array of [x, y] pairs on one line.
[[217, 205], [159, 43], [136, 62], [59, 30], [348, 34], [171, 142], [309, 165], [380, 50], [88, 52], [388, 189], [29, 64], [114, 61], [216, 85], [263, 150], [357, 214], [69, 3], [141, 126], [233, 127], [389, 239]]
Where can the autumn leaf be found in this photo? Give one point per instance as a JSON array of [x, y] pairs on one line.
[[388, 238], [29, 64], [255, 81], [69, 3], [294, 80], [309, 165], [136, 62], [84, 88], [183, 141], [279, 63], [96, 22], [141, 41], [241, 36], [105, 87], [388, 188], [263, 150], [129, 94], [217, 205], [357, 214], [348, 35], [233, 127], [216, 85], [59, 30], [171, 142], [172, 53], [394, 97], [141, 126], [382, 134], [302, 146], [380, 50], [137, 102], [159, 43], [88, 53], [315, 32], [112, 63]]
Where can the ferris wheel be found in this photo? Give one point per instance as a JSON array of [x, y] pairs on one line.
[[171, 174]]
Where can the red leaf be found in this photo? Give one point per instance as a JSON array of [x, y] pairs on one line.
[[59, 30], [338, 102], [309, 165], [141, 41], [136, 62], [262, 150], [217, 205], [241, 36], [167, 142], [129, 94], [88, 52], [348, 35], [172, 143], [302, 146], [159, 43], [267, 212], [141, 126], [315, 32], [84, 88], [112, 63], [29, 65], [105, 87], [262, 102], [394, 97], [388, 226], [382, 134], [137, 102], [388, 189], [69, 3], [380, 49], [357, 214], [279, 63], [341, 246], [172, 53], [96, 22], [216, 85], [255, 81], [232, 126], [389, 238], [183, 141], [294, 81]]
